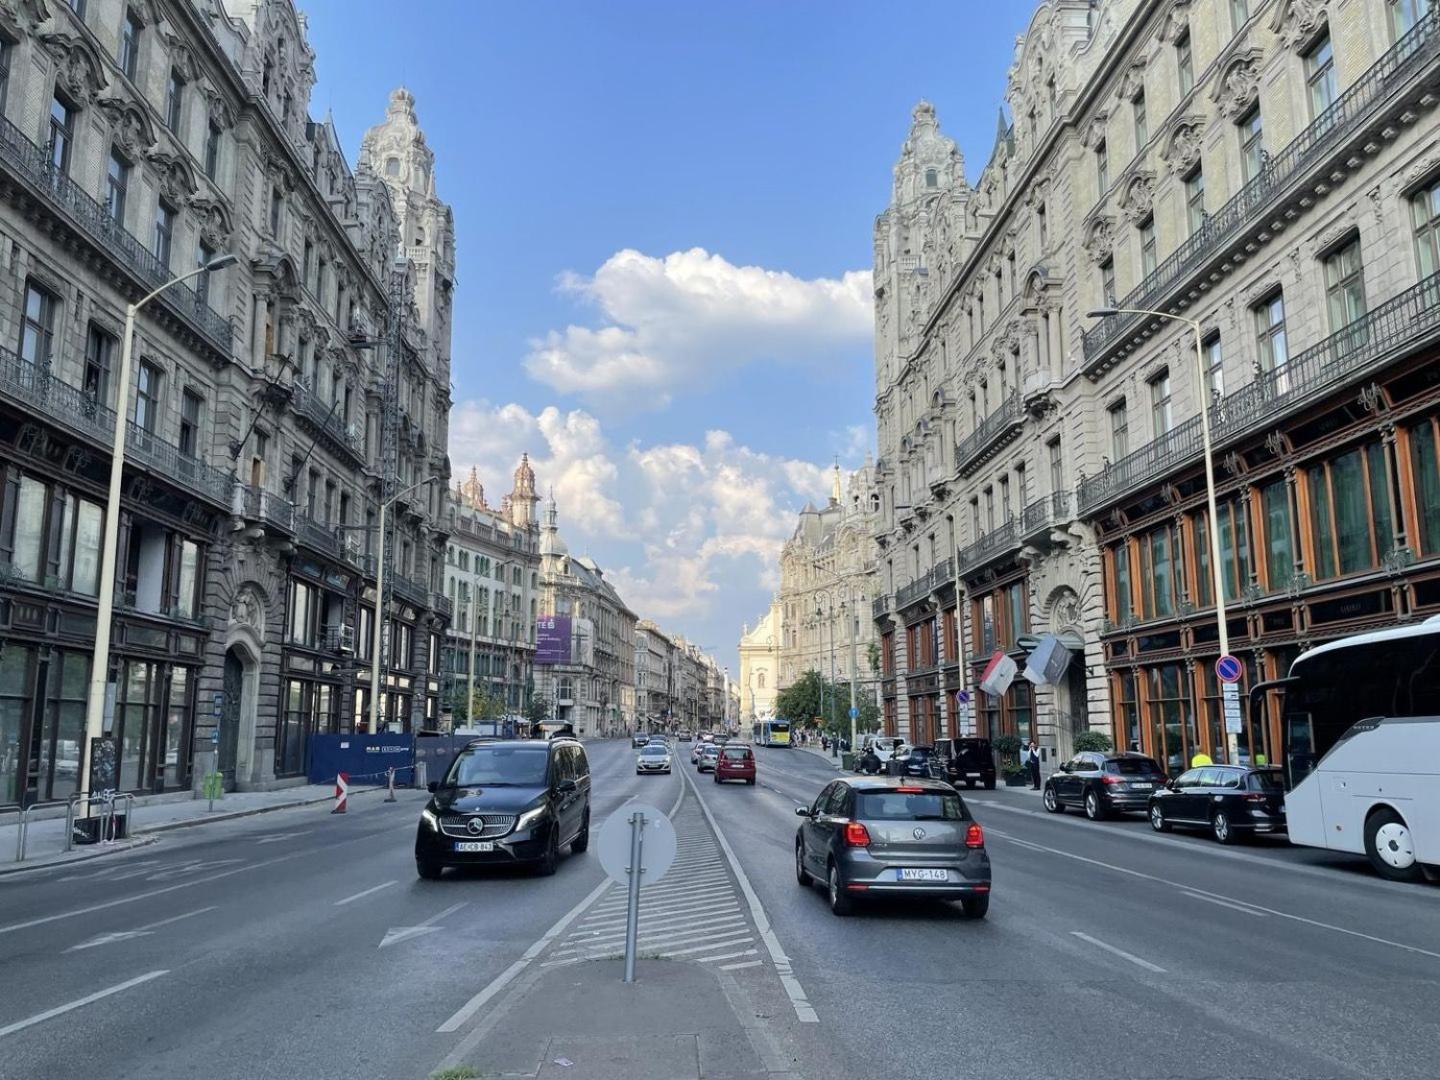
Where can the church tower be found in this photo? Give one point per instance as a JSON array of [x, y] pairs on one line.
[[522, 496]]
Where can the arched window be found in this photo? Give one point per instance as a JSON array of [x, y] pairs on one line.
[[932, 178], [760, 680], [392, 166]]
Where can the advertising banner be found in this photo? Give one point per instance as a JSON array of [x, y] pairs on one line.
[[552, 639]]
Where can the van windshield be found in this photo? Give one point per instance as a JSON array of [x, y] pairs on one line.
[[500, 766]]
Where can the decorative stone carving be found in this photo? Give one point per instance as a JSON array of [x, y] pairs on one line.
[[1239, 84], [78, 68], [1095, 134], [130, 125], [1133, 82], [1296, 22], [213, 220], [177, 182], [1176, 21], [247, 609], [1182, 147], [22, 16], [1137, 197], [1099, 239]]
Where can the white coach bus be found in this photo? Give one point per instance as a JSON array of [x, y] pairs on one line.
[[1360, 732]]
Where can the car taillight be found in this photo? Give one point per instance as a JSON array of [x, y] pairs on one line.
[[1107, 778], [974, 835], [911, 790], [1255, 797], [856, 835]]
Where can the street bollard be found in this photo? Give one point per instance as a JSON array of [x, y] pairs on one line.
[[342, 792], [632, 910], [390, 780]]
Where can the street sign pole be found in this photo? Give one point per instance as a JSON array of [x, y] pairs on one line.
[[632, 909]]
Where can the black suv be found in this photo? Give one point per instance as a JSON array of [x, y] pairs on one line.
[[1102, 784], [506, 802], [969, 761]]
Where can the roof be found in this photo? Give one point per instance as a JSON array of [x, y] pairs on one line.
[[1393, 633]]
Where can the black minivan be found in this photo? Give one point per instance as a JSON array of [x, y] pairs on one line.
[[506, 802]]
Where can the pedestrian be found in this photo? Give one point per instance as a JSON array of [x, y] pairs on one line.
[[1032, 761], [870, 761]]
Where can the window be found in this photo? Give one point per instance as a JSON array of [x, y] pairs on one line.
[[1239, 14], [1425, 215], [932, 178], [174, 99], [1102, 167], [1425, 462], [1345, 285], [62, 134], [392, 166], [1270, 333], [1185, 63], [191, 405], [275, 206], [78, 7], [1351, 511], [22, 543], [1234, 552], [1057, 465], [1147, 246], [1161, 559], [212, 148], [1214, 365], [117, 183], [1195, 200], [1279, 534], [1124, 596], [304, 610], [7, 49], [1320, 75], [1042, 223], [37, 325], [1252, 144], [1404, 14], [203, 254], [130, 44], [147, 396], [99, 352], [1119, 430], [1142, 124], [164, 231], [1161, 414], [1107, 281]]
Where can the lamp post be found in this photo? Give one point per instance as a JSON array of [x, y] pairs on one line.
[[1217, 585], [104, 609], [380, 603], [854, 657]]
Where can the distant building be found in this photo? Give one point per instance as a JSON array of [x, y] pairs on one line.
[[760, 666]]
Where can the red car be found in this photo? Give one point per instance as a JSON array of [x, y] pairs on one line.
[[736, 762]]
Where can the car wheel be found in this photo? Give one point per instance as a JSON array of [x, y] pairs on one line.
[[840, 903], [1391, 847], [1220, 826], [970, 784], [1051, 802], [717, 778], [1094, 808], [1157, 818], [551, 860], [582, 840], [802, 876], [428, 870], [989, 785], [976, 906]]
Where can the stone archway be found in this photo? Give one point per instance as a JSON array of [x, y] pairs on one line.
[[1071, 704], [244, 647]]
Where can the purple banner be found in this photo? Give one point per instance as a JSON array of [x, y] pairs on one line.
[[552, 639]]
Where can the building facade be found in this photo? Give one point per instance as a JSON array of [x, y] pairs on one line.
[[1268, 169], [655, 662], [827, 582], [137, 142], [760, 666], [492, 577]]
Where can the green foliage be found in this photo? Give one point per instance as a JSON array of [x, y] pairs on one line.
[[1008, 747], [872, 656], [538, 709], [1093, 740], [813, 698], [461, 1072]]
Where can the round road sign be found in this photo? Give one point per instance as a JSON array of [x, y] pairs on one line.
[[657, 847], [1228, 668]]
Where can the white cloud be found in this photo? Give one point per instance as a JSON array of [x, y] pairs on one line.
[[690, 317]]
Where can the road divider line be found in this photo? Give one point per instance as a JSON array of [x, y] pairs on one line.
[[365, 892], [696, 919], [804, 1011], [730, 939], [1225, 903], [664, 937], [737, 967], [698, 904], [1137, 961], [79, 1003], [727, 956]]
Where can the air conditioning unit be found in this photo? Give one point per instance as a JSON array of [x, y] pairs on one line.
[[347, 639]]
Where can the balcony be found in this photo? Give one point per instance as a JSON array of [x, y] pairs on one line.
[[31, 165], [1385, 95], [997, 542], [995, 431], [318, 536], [1044, 514], [941, 573], [1397, 326], [880, 607], [411, 592], [264, 508], [325, 421]]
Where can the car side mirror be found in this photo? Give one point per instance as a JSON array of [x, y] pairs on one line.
[[566, 786], [802, 811], [433, 786]]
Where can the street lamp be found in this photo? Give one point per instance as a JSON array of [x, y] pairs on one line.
[[104, 609], [380, 602], [854, 644], [1216, 579]]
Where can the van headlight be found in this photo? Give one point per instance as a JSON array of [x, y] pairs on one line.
[[532, 817], [428, 817]]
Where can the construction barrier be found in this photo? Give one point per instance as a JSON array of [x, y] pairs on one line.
[[342, 793]]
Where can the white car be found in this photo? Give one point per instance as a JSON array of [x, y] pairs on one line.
[[652, 759], [887, 747]]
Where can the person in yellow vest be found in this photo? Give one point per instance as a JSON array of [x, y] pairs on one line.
[[1200, 759]]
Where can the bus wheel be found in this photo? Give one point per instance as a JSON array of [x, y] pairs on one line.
[[1389, 845]]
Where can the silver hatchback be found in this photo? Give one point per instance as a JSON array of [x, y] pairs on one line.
[[893, 835]]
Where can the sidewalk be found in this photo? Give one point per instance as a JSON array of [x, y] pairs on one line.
[[822, 754], [45, 838], [677, 1021]]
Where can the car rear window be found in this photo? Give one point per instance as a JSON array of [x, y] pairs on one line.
[[900, 806], [1132, 766], [736, 753], [1269, 780]]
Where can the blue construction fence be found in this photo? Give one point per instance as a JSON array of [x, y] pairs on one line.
[[367, 759]]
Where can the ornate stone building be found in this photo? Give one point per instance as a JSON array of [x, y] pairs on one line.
[[138, 141], [760, 665], [827, 580], [1268, 169]]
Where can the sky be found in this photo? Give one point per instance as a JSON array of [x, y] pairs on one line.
[[664, 217]]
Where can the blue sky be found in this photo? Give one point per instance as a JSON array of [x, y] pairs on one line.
[[657, 206]]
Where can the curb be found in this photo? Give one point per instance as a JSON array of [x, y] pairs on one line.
[[85, 856]]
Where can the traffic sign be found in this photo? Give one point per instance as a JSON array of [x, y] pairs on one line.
[[657, 850], [854, 713], [1230, 696], [1228, 668]]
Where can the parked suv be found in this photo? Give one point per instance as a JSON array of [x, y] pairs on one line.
[[968, 761], [1229, 800], [508, 802], [1103, 784]]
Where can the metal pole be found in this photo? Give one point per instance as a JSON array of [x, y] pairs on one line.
[[474, 628], [831, 621], [854, 664], [632, 909], [375, 636]]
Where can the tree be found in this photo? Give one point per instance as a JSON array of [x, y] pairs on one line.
[[813, 698], [538, 710]]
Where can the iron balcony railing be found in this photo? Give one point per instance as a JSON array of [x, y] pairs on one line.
[[1346, 117], [1005, 421], [326, 420], [938, 575], [406, 589], [880, 607], [1044, 512], [996, 542], [92, 218], [319, 536], [1397, 324], [442, 604], [257, 504]]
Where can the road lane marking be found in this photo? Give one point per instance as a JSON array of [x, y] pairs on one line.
[[737, 967], [60, 1010], [663, 937], [686, 899], [365, 892], [146, 895], [1146, 964], [715, 911], [1225, 903], [427, 926], [1205, 892], [804, 1011], [139, 931], [727, 956], [732, 939]]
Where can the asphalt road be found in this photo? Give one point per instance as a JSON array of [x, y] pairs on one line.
[[300, 944]]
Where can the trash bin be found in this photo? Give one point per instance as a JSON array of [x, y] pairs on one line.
[[847, 761]]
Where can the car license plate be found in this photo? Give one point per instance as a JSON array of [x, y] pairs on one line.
[[923, 875], [474, 845], [1142, 787]]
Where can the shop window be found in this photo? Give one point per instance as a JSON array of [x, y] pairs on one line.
[[1425, 464], [1234, 552], [1351, 515], [1279, 535], [1172, 717], [1160, 572], [1120, 574]]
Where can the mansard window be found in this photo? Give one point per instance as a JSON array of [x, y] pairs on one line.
[[174, 99], [1320, 78], [1119, 430], [1185, 63], [1147, 246], [130, 32], [1425, 216], [1404, 14], [1345, 285], [164, 231], [1252, 144], [117, 184], [1351, 512], [37, 325], [62, 133], [1107, 281], [1102, 166], [1142, 123], [1195, 199]]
